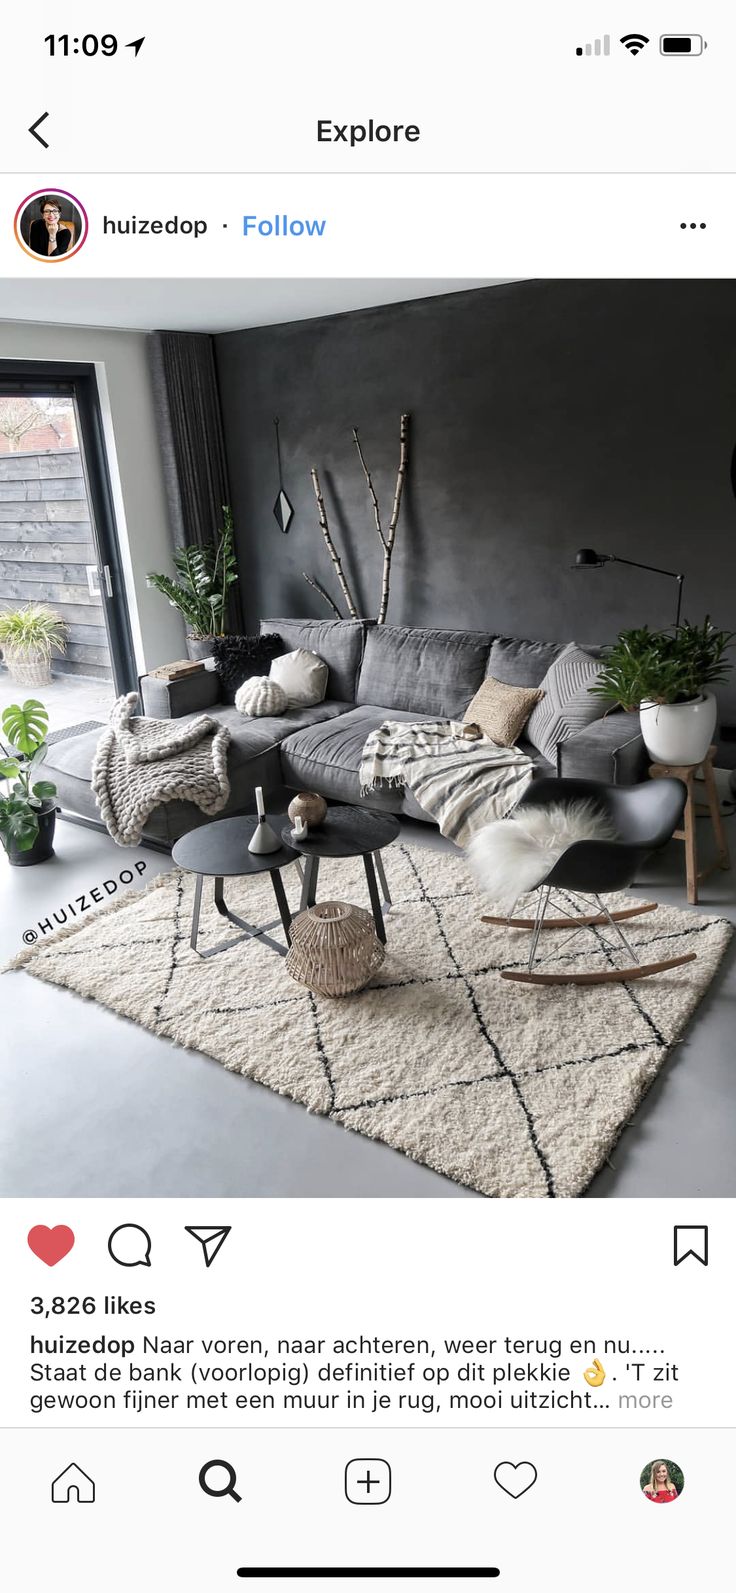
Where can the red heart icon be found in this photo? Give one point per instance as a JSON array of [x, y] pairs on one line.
[[51, 1244]]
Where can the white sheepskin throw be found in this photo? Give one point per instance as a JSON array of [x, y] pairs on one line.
[[261, 696], [513, 856]]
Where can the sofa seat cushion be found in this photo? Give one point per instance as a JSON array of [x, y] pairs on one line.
[[424, 672], [253, 759], [338, 642], [326, 758]]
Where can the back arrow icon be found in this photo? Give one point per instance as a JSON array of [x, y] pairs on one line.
[[36, 124]]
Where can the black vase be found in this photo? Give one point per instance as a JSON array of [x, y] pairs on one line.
[[43, 846]]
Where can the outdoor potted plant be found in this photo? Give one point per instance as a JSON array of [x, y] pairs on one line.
[[664, 674], [27, 808], [205, 575], [28, 637]]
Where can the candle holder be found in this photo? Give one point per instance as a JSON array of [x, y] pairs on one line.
[[263, 839]]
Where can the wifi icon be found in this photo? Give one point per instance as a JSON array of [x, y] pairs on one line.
[[634, 42]]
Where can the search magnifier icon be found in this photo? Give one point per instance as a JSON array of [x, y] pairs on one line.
[[219, 1489]]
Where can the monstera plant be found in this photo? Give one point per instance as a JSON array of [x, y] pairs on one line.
[[27, 809]]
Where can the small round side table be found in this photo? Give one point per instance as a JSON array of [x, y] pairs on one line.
[[347, 832], [219, 851]]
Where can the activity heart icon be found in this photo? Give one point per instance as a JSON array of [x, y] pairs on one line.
[[515, 1477], [51, 1244]]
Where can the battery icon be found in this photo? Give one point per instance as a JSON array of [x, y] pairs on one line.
[[682, 44]]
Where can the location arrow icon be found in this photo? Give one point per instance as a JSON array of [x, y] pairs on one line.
[[37, 123], [135, 44], [211, 1240]]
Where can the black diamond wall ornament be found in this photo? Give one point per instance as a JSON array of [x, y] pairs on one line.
[[282, 511]]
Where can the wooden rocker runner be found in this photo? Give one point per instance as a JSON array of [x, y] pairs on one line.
[[644, 818]]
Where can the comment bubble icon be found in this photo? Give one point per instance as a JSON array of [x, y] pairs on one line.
[[130, 1245]]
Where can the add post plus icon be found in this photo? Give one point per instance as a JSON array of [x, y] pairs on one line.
[[368, 1482]]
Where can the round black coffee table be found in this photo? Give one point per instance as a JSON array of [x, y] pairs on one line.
[[347, 832], [219, 851]]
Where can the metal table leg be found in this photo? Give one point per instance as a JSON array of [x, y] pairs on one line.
[[370, 875], [195, 912], [381, 872], [309, 883], [283, 905], [250, 931]]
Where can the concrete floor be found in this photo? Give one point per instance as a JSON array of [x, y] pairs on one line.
[[70, 699], [92, 1105]]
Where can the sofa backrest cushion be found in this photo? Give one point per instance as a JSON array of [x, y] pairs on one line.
[[422, 671], [338, 642], [521, 663]]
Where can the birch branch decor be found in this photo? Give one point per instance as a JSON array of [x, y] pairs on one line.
[[386, 538]]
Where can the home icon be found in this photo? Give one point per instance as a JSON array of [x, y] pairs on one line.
[[73, 1483]]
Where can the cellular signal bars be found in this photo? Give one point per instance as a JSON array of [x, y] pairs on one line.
[[598, 47]]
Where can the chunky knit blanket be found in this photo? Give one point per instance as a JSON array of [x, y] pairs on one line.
[[464, 785], [140, 763]]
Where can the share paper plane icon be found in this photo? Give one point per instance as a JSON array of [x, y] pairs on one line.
[[211, 1240]]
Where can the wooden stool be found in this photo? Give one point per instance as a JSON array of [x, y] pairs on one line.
[[687, 772]]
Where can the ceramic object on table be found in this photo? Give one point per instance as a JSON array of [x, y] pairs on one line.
[[309, 806]]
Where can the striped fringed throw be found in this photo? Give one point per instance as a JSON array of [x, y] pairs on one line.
[[463, 785]]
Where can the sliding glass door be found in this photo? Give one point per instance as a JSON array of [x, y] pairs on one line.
[[58, 537]]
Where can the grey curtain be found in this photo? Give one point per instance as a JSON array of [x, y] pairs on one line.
[[192, 442]]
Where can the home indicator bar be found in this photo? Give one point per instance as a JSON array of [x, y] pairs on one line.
[[434, 1571]]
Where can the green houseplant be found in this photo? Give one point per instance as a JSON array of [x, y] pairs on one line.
[[665, 674], [200, 591], [28, 637], [27, 808]]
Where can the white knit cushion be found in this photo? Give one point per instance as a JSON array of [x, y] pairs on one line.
[[567, 705], [260, 696], [303, 676], [512, 856]]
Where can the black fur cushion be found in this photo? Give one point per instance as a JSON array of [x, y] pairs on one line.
[[239, 657]]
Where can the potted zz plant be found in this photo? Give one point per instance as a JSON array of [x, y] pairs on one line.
[[28, 637], [204, 577], [664, 674], [27, 808]]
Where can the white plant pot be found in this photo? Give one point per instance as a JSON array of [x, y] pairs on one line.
[[679, 732]]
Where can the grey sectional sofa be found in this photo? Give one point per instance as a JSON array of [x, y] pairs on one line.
[[375, 673]]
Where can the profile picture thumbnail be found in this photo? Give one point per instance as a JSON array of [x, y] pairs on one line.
[[662, 1481], [51, 225]]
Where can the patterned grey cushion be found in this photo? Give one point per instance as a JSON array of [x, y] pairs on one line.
[[567, 705], [422, 671]]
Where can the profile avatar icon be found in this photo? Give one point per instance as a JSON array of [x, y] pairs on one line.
[[51, 226], [662, 1482]]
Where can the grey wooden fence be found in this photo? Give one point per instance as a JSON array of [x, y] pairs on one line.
[[45, 546]]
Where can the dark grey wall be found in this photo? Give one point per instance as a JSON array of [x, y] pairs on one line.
[[545, 416]]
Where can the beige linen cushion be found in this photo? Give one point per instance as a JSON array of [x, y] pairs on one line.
[[302, 675], [502, 711]]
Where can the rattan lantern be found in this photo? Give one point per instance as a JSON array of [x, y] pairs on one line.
[[334, 949]]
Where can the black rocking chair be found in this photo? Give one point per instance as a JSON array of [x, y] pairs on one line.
[[644, 818]]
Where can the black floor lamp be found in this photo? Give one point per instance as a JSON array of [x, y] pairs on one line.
[[588, 559]]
